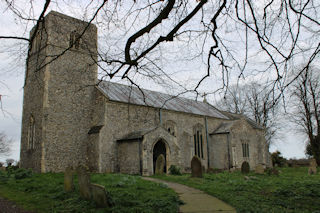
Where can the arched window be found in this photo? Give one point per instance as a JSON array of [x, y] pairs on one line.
[[74, 39], [31, 133], [198, 141], [245, 150]]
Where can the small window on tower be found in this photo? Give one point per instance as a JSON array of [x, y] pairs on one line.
[[31, 133], [74, 39]]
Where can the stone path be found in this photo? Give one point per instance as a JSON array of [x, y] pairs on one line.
[[195, 200]]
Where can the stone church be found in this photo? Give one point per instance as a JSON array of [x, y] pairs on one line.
[[70, 119]]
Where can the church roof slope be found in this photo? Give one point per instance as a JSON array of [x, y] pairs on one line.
[[223, 128], [234, 116], [129, 94]]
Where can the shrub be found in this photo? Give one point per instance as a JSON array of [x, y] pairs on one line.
[[22, 173], [174, 170], [277, 159]]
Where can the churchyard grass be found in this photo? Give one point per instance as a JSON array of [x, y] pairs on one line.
[[44, 193], [292, 191]]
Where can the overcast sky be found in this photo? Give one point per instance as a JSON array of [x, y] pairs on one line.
[[12, 76]]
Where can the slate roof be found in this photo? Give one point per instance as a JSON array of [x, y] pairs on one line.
[[234, 116], [223, 128], [127, 94], [135, 135]]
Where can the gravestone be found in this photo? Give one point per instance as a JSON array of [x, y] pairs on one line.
[[245, 168], [84, 182], [196, 167], [259, 169], [100, 196], [160, 164], [313, 167], [68, 180], [274, 171]]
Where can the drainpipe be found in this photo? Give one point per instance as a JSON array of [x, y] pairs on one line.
[[207, 136], [160, 117], [228, 147]]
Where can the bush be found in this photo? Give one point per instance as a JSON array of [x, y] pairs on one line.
[[22, 173], [174, 170], [277, 159]]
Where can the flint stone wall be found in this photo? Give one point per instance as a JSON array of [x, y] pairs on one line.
[[61, 98]]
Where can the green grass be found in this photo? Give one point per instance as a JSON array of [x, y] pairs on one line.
[[292, 191], [44, 193]]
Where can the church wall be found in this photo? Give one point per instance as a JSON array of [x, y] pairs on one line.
[[241, 133], [219, 151], [34, 90], [66, 104], [129, 157], [122, 118]]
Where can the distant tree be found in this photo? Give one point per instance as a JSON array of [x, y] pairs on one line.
[[256, 102], [5, 144], [305, 94], [277, 159], [308, 150], [10, 161]]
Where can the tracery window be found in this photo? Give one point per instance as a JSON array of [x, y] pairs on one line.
[[31, 133], [245, 150], [198, 142]]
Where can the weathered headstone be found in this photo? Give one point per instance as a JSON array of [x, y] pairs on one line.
[[160, 164], [259, 169], [313, 167], [245, 167], [2, 168], [274, 171], [196, 167], [84, 182], [68, 180], [100, 196]]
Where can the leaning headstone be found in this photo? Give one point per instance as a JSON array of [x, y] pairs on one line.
[[68, 180], [259, 169], [84, 182], [100, 196], [196, 167], [245, 168], [160, 164], [313, 167]]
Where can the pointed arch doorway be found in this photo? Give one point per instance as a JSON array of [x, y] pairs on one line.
[[158, 149]]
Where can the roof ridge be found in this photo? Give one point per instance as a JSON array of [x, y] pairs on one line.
[[119, 92], [163, 93]]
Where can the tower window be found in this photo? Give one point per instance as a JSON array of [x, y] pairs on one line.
[[31, 133], [74, 39]]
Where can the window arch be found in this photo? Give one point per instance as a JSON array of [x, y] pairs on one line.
[[74, 39], [31, 133], [198, 140]]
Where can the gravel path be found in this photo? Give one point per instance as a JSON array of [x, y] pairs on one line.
[[7, 206]]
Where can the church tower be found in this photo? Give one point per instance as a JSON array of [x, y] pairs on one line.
[[58, 93]]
